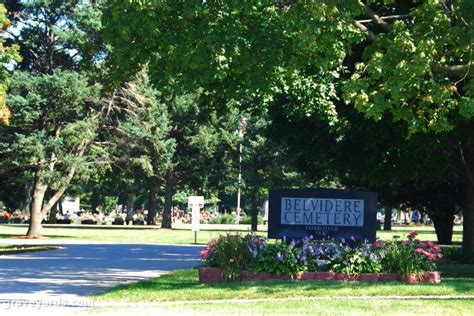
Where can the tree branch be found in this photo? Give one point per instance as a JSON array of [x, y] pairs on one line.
[[370, 35], [65, 185], [388, 17], [56, 196], [453, 70], [374, 17]]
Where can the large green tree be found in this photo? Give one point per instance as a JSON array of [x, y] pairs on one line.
[[408, 59], [416, 69], [47, 138], [142, 146], [7, 55], [205, 149], [55, 99]]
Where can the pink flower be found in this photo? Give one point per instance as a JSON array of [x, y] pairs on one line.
[[429, 243], [422, 244], [412, 234], [431, 256], [379, 244], [406, 242], [436, 248], [427, 254], [204, 253]]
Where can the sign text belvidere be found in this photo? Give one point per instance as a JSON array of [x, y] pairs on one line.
[[323, 213]]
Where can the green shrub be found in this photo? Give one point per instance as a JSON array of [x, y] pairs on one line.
[[247, 220], [233, 253], [408, 256], [278, 258], [223, 219], [230, 253], [355, 260]]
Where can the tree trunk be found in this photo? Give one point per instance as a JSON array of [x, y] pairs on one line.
[[152, 204], [60, 207], [443, 221], [94, 202], [468, 219], [59, 193], [254, 226], [387, 223], [166, 221], [130, 205], [52, 214], [466, 171], [36, 216], [26, 203]]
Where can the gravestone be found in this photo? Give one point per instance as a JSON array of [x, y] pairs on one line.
[[322, 213]]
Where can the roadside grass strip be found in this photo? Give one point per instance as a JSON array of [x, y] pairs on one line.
[[18, 249], [183, 285]]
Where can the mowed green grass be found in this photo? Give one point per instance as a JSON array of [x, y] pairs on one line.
[[15, 249], [181, 293], [183, 285], [302, 307], [119, 235], [182, 233]]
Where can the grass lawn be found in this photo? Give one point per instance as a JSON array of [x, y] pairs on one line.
[[183, 285], [304, 307], [181, 234], [15, 249], [182, 293], [119, 235]]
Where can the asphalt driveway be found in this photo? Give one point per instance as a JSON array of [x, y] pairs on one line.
[[70, 274]]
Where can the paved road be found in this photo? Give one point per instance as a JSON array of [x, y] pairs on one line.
[[68, 275]]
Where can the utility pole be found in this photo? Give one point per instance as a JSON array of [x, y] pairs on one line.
[[239, 182], [240, 132]]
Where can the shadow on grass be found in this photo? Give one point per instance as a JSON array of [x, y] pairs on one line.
[[456, 270]]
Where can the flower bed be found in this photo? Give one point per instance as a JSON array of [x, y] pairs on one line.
[[251, 258]]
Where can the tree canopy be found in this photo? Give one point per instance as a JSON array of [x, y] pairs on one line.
[[403, 61]]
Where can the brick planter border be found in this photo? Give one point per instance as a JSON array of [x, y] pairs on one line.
[[213, 275]]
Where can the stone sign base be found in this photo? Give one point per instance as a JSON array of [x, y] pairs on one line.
[[213, 275]]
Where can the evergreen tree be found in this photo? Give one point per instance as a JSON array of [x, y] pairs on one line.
[[55, 101], [7, 55]]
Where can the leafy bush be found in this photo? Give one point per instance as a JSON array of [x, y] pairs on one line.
[[247, 220], [278, 258], [231, 253], [223, 219], [408, 256], [356, 260]]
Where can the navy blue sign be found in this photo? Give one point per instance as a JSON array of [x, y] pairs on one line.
[[323, 213]]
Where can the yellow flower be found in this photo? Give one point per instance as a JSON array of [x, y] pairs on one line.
[[231, 260]]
